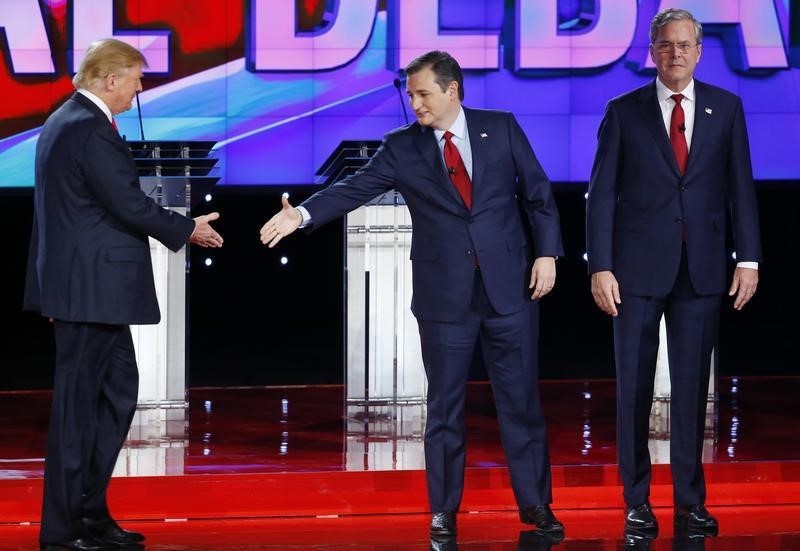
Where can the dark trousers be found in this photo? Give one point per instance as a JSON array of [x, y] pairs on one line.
[[94, 399], [692, 323], [510, 349]]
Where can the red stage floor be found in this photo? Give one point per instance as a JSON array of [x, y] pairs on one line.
[[743, 529], [309, 429], [293, 454]]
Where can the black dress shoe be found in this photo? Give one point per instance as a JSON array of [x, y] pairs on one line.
[[542, 517], [641, 520], [108, 531], [696, 518], [443, 524], [78, 544]]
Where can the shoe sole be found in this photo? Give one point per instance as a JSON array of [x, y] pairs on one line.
[[642, 530]]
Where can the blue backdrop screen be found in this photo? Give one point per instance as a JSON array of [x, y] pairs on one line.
[[281, 84]]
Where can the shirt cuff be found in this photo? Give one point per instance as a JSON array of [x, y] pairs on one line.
[[751, 265], [306, 216]]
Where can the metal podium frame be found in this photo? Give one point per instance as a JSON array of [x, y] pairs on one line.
[[660, 427], [177, 174], [383, 360]]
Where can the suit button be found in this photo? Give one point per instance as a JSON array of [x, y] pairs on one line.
[[683, 188], [679, 220], [470, 252]]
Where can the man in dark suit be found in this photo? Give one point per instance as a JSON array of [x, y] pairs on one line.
[[672, 160], [482, 208], [90, 272]]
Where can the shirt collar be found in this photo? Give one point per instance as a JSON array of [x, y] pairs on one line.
[[97, 101], [664, 93], [458, 128]]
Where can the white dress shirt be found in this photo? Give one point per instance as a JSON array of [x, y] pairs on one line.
[[460, 139]]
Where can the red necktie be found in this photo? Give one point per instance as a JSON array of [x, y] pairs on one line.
[[457, 170], [677, 133], [114, 124]]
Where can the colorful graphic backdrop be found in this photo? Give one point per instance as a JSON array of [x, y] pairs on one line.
[[279, 83]]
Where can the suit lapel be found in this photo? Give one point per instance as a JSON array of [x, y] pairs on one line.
[[651, 113], [701, 122], [478, 146], [429, 149]]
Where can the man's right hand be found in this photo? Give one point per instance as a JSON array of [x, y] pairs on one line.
[[204, 235], [605, 291], [282, 224]]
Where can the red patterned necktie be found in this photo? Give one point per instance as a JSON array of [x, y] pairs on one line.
[[457, 170], [114, 125], [677, 133]]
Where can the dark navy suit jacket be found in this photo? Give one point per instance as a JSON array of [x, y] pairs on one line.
[[639, 200], [89, 258], [511, 193]]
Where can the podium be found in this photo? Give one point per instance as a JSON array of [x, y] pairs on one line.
[[660, 427], [383, 360], [177, 174]]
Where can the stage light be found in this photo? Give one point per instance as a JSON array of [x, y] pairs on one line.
[[208, 197], [284, 260], [208, 262], [284, 448], [586, 195], [733, 255], [586, 257]]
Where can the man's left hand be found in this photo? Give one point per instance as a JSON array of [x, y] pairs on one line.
[[745, 281], [543, 276]]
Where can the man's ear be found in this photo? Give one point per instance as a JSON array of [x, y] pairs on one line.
[[452, 88]]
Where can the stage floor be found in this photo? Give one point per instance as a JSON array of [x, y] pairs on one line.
[[743, 529], [311, 429], [327, 476]]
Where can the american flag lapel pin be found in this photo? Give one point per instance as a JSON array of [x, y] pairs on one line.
[[484, 135], [708, 110]]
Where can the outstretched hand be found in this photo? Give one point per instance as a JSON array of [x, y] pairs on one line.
[[203, 234], [282, 224]]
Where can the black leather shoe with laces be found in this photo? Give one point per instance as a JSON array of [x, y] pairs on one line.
[[542, 517], [443, 524], [640, 519], [108, 531], [696, 518]]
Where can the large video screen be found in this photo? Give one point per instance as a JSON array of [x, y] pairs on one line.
[[278, 84]]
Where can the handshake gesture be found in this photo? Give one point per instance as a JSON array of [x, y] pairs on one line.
[[285, 222]]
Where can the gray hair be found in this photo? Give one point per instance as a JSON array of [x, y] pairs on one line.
[[668, 16]]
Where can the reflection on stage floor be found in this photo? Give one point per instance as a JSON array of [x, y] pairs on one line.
[[310, 428]]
